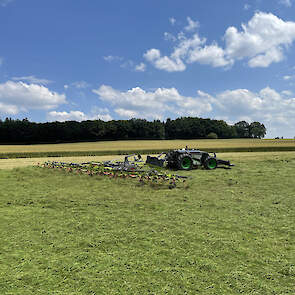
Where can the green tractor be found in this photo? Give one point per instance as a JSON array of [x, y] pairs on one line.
[[187, 159]]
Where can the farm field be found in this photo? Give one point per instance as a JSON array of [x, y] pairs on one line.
[[225, 232], [113, 147], [24, 162]]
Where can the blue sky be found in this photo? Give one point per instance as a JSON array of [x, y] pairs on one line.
[[78, 60]]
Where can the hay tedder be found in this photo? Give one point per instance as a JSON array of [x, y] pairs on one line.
[[187, 159], [134, 166]]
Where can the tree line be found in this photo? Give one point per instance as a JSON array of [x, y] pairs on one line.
[[23, 131]]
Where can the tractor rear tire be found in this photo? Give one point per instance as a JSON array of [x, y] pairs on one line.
[[210, 163], [185, 162]]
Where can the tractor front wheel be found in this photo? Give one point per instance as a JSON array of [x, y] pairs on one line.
[[210, 163], [185, 162]]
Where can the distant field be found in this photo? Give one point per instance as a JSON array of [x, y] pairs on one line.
[[227, 232], [233, 157], [143, 146]]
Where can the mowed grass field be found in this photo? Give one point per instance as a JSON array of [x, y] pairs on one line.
[[113, 147], [225, 232], [233, 157]]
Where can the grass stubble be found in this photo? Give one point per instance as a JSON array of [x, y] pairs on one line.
[[121, 147], [227, 232]]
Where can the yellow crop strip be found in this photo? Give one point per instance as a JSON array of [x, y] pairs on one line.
[[146, 144], [23, 162]]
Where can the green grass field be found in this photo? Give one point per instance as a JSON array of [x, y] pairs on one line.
[[227, 232], [144, 146]]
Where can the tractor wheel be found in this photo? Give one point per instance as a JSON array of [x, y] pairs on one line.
[[184, 162], [210, 163]]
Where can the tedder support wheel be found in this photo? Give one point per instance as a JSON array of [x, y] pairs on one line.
[[210, 163], [185, 162]]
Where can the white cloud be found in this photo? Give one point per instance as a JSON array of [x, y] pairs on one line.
[[126, 113], [8, 109], [188, 50], [192, 25], [287, 77], [32, 79], [78, 116], [187, 45], [262, 41], [111, 58], [173, 64], [172, 21], [287, 3], [287, 93], [136, 102], [276, 110], [129, 64], [169, 37], [152, 55], [140, 67], [80, 84], [210, 55], [98, 113], [103, 117], [65, 116], [264, 60], [19, 96]]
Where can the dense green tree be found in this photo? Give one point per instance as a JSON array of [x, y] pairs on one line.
[[257, 130], [24, 131], [242, 129]]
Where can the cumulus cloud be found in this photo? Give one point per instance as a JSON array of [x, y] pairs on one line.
[[172, 21], [264, 60], [66, 116], [188, 50], [210, 55], [287, 93], [192, 25], [99, 113], [137, 102], [276, 110], [169, 37], [140, 67], [103, 117], [32, 79], [262, 41], [287, 77], [111, 58], [8, 109], [19, 96], [80, 84], [169, 64], [128, 64], [103, 114], [175, 63]]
